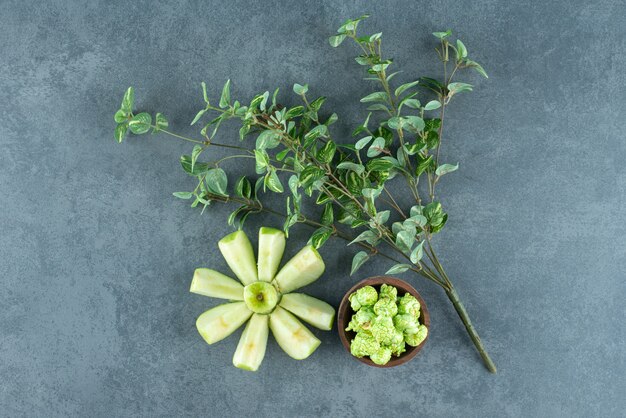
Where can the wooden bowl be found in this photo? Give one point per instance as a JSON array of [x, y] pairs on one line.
[[345, 315]]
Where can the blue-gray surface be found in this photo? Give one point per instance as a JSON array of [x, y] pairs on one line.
[[96, 255]]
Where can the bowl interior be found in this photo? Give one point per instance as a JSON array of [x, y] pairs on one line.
[[345, 315]]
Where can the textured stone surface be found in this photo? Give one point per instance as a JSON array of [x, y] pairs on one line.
[[96, 256]]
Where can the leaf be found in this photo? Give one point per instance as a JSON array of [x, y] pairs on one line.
[[243, 187], [461, 51], [233, 215], [327, 152], [423, 164], [375, 36], [379, 164], [328, 215], [225, 97], [120, 132], [404, 87], [432, 105], [198, 168], [436, 228], [404, 240], [140, 123], [377, 147], [272, 181], [217, 181], [443, 35], [412, 103], [417, 220], [358, 168], [359, 259], [160, 123], [281, 155], [120, 116], [362, 143], [336, 40], [300, 89], [455, 88], [445, 169], [368, 236], [398, 268], [331, 119], [379, 96], [415, 122], [320, 236], [417, 253], [128, 101], [261, 161], [378, 106], [310, 175], [294, 112], [198, 116], [183, 195], [476, 66], [197, 150], [204, 94], [268, 139]]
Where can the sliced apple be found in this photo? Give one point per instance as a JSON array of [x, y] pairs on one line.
[[251, 348], [214, 284], [293, 337], [238, 253], [271, 248], [314, 311], [304, 268], [218, 323]]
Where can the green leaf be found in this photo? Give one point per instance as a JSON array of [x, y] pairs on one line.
[[436, 228], [233, 215], [225, 97], [281, 155], [160, 123], [268, 139], [198, 168], [375, 36], [417, 253], [310, 175], [183, 195], [198, 116], [461, 51], [320, 236], [331, 119], [379, 164], [243, 187], [368, 236], [476, 66], [376, 148], [261, 161], [412, 103], [378, 106], [414, 123], [423, 164], [327, 152], [443, 35], [432, 139], [404, 87], [445, 169], [204, 94], [217, 181], [379, 96], [432, 105], [328, 215], [455, 88], [294, 112], [362, 143], [140, 123], [346, 165], [300, 89], [120, 132], [272, 181], [404, 240], [336, 40], [120, 116], [197, 150], [359, 259], [398, 268], [128, 101]]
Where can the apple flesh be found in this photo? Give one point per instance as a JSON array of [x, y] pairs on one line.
[[293, 337], [214, 284], [218, 323], [271, 248], [238, 253], [311, 310], [304, 268], [251, 348], [260, 297]]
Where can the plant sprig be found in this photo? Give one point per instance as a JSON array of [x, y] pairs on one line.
[[294, 154]]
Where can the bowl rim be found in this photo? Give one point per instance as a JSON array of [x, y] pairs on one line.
[[345, 310]]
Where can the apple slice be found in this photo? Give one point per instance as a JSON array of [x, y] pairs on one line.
[[218, 323], [271, 248], [293, 337], [251, 348], [304, 268], [314, 311], [238, 253], [214, 284]]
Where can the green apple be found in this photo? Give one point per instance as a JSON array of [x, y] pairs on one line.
[[293, 337], [218, 323], [314, 311], [251, 348], [214, 284], [271, 247], [304, 268], [260, 297], [238, 253]]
